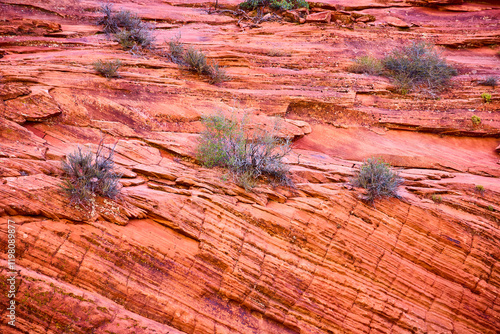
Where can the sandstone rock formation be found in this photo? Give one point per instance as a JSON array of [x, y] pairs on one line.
[[187, 250]]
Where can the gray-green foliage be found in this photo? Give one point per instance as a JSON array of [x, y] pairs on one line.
[[196, 61], [418, 64], [127, 28], [367, 64], [414, 66], [378, 179], [87, 174], [108, 68], [227, 142]]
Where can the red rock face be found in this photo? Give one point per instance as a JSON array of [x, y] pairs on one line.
[[184, 249]]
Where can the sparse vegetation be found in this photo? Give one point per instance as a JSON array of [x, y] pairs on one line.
[[486, 97], [108, 68], [490, 81], [378, 179], [176, 48], [279, 53], [89, 174], [196, 61], [490, 208], [437, 198], [417, 66], [367, 64], [480, 189], [127, 28], [229, 143], [275, 4], [476, 120]]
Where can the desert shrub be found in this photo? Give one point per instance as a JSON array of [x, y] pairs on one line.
[[275, 4], [418, 65], [486, 97], [367, 64], [378, 179], [176, 48], [410, 67], [227, 142], [89, 174], [127, 28], [109, 68], [196, 61], [217, 74], [480, 189], [490, 81], [476, 120]]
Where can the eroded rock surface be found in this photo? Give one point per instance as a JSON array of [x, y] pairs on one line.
[[186, 250]]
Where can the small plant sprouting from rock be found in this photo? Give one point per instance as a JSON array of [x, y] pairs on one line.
[[378, 179], [476, 120], [228, 142], [412, 67], [486, 97], [437, 198], [490, 208], [480, 189], [108, 68], [196, 61], [490, 81], [88, 175], [127, 28]]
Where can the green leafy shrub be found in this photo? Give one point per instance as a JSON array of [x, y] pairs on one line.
[[378, 179], [227, 142], [480, 188], [490, 208], [476, 120], [418, 65], [275, 4], [367, 64], [109, 68], [127, 28], [486, 97], [89, 174]]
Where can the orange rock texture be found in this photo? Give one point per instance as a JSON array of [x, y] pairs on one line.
[[185, 249]]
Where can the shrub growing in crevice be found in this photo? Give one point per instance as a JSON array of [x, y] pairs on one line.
[[378, 179], [108, 68], [196, 61], [89, 174], [127, 28], [416, 66], [227, 142]]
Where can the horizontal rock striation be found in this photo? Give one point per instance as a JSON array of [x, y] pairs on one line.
[[185, 249]]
